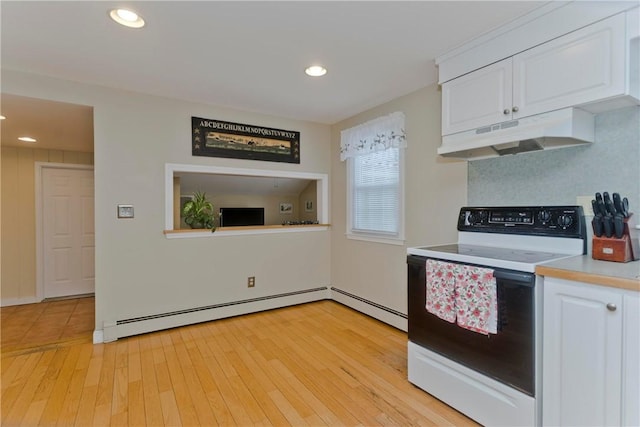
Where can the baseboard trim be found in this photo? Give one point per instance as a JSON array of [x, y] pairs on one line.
[[66, 297], [6, 302], [380, 312], [214, 306], [139, 325], [112, 330]]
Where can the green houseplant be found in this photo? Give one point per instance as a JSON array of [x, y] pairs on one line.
[[198, 212]]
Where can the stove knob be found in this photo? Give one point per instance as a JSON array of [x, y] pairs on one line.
[[473, 218], [565, 221], [544, 216]]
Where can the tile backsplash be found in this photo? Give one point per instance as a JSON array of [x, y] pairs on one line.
[[556, 177]]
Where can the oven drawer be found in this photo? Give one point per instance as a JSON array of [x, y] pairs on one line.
[[508, 356], [485, 400]]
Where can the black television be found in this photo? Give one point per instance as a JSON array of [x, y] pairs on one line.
[[233, 217]]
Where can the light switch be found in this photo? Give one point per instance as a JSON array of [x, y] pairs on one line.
[[125, 211]]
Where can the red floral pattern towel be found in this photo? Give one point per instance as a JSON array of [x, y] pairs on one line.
[[476, 300], [441, 281], [463, 293]]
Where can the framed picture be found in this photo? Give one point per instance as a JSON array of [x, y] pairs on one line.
[[308, 206], [286, 208], [215, 138]]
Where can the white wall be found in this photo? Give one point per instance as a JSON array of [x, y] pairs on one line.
[[309, 194], [138, 271], [557, 177], [435, 190]]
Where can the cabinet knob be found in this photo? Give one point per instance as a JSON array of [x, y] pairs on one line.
[[611, 307], [515, 109], [506, 111]]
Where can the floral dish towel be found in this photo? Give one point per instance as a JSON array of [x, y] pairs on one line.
[[441, 281], [476, 299]]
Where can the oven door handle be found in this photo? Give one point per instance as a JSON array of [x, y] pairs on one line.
[[524, 279]]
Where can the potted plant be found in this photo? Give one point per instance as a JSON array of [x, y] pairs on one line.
[[198, 212]]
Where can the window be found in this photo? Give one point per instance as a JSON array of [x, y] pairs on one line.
[[237, 179], [375, 158]]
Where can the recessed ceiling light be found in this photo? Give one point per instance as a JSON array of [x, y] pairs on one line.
[[26, 139], [127, 18], [316, 71]]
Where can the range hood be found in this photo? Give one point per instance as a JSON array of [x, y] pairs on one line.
[[556, 129]]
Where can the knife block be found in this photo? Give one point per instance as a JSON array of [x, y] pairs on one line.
[[615, 249]]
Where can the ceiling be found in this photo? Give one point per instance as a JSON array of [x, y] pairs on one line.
[[245, 55], [55, 125]]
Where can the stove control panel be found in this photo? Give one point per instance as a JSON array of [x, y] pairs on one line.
[[561, 221]]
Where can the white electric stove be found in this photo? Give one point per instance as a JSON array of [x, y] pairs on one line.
[[494, 379]]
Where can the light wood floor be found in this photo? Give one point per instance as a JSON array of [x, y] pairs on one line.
[[313, 364], [46, 323]]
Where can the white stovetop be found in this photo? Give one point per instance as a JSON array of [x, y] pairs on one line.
[[503, 251], [513, 259]]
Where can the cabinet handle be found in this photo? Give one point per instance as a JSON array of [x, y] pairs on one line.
[[506, 111], [515, 109], [611, 307]]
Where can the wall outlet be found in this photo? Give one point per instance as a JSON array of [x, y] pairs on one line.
[[585, 202], [251, 281]]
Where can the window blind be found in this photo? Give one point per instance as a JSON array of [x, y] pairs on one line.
[[376, 192]]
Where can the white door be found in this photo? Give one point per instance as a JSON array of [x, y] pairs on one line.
[[68, 232], [480, 98]]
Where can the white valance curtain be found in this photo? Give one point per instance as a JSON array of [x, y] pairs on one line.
[[375, 135]]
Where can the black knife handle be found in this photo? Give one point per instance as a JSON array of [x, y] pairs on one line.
[[596, 223], [601, 208], [610, 207], [607, 223], [617, 202], [618, 225]]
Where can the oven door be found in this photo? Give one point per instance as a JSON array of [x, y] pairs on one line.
[[508, 356]]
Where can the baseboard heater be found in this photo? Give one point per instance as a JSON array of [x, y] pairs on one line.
[[371, 303], [154, 322]]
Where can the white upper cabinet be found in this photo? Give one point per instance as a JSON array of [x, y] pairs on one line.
[[477, 99], [581, 67], [588, 65]]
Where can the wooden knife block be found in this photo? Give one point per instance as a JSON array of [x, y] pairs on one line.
[[623, 249]]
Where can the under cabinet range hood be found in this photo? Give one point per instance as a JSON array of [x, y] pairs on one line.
[[555, 129]]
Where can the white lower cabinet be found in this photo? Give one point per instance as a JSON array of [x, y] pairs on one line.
[[591, 354]]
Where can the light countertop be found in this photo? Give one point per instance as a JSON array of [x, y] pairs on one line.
[[588, 270]]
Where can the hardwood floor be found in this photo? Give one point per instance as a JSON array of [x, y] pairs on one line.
[[46, 323], [314, 364]]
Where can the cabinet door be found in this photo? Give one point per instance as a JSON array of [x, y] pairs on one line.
[[477, 99], [582, 354], [583, 66], [631, 361]]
